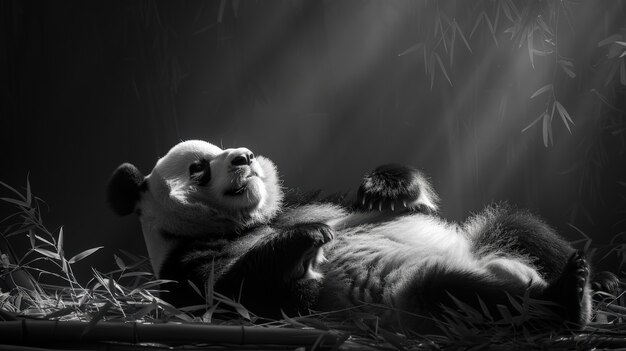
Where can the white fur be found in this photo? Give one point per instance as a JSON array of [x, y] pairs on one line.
[[407, 246], [175, 204]]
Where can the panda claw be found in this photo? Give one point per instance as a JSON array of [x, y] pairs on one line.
[[370, 206], [392, 207], [380, 206], [404, 203]]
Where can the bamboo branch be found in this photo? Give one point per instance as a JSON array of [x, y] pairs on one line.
[[33, 331]]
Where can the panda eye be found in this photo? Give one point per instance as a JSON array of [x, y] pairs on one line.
[[196, 167], [200, 172]]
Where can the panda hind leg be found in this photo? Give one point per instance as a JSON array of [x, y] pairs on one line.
[[571, 291]]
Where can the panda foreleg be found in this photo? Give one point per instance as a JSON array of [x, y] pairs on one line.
[[396, 188], [273, 274]]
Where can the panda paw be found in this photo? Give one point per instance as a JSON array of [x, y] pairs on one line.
[[570, 291], [397, 188], [304, 243], [606, 282]]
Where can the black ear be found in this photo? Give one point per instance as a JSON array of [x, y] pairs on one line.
[[124, 188]]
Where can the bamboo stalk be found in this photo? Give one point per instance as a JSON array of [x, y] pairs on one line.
[[36, 331]]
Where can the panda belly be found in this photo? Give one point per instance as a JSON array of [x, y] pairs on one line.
[[370, 263], [389, 262]]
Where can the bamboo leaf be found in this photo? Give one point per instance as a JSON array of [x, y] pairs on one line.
[[15, 202], [29, 195], [48, 253], [83, 254], [544, 25], [566, 63], [622, 76], [64, 267], [294, 323], [545, 128], [506, 314], [532, 123], [513, 8], [13, 190], [477, 23], [507, 11], [195, 288], [425, 62], [568, 71], [44, 240], [412, 49], [60, 242], [443, 69], [313, 322], [484, 308], [530, 40], [550, 125], [394, 339], [609, 40], [564, 116], [492, 30], [119, 262], [458, 29], [622, 43], [31, 236], [144, 311], [136, 274], [60, 313], [543, 89], [208, 315], [153, 283], [238, 307], [431, 69]]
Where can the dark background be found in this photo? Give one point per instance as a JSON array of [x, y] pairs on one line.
[[328, 91]]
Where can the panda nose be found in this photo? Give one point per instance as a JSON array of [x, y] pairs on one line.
[[245, 159]]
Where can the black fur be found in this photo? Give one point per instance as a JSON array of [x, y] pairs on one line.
[[124, 189], [499, 230], [522, 233], [263, 269], [607, 282], [264, 265], [396, 187]]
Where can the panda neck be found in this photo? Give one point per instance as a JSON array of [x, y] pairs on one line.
[[163, 227]]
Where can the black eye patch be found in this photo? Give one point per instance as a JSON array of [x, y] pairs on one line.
[[200, 172]]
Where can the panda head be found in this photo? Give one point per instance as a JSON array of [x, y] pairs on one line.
[[197, 190]]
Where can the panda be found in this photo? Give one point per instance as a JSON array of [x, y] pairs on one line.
[[218, 216], [212, 214]]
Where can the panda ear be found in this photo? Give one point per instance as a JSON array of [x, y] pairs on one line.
[[124, 189]]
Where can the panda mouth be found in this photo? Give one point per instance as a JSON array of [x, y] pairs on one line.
[[237, 191], [241, 186]]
